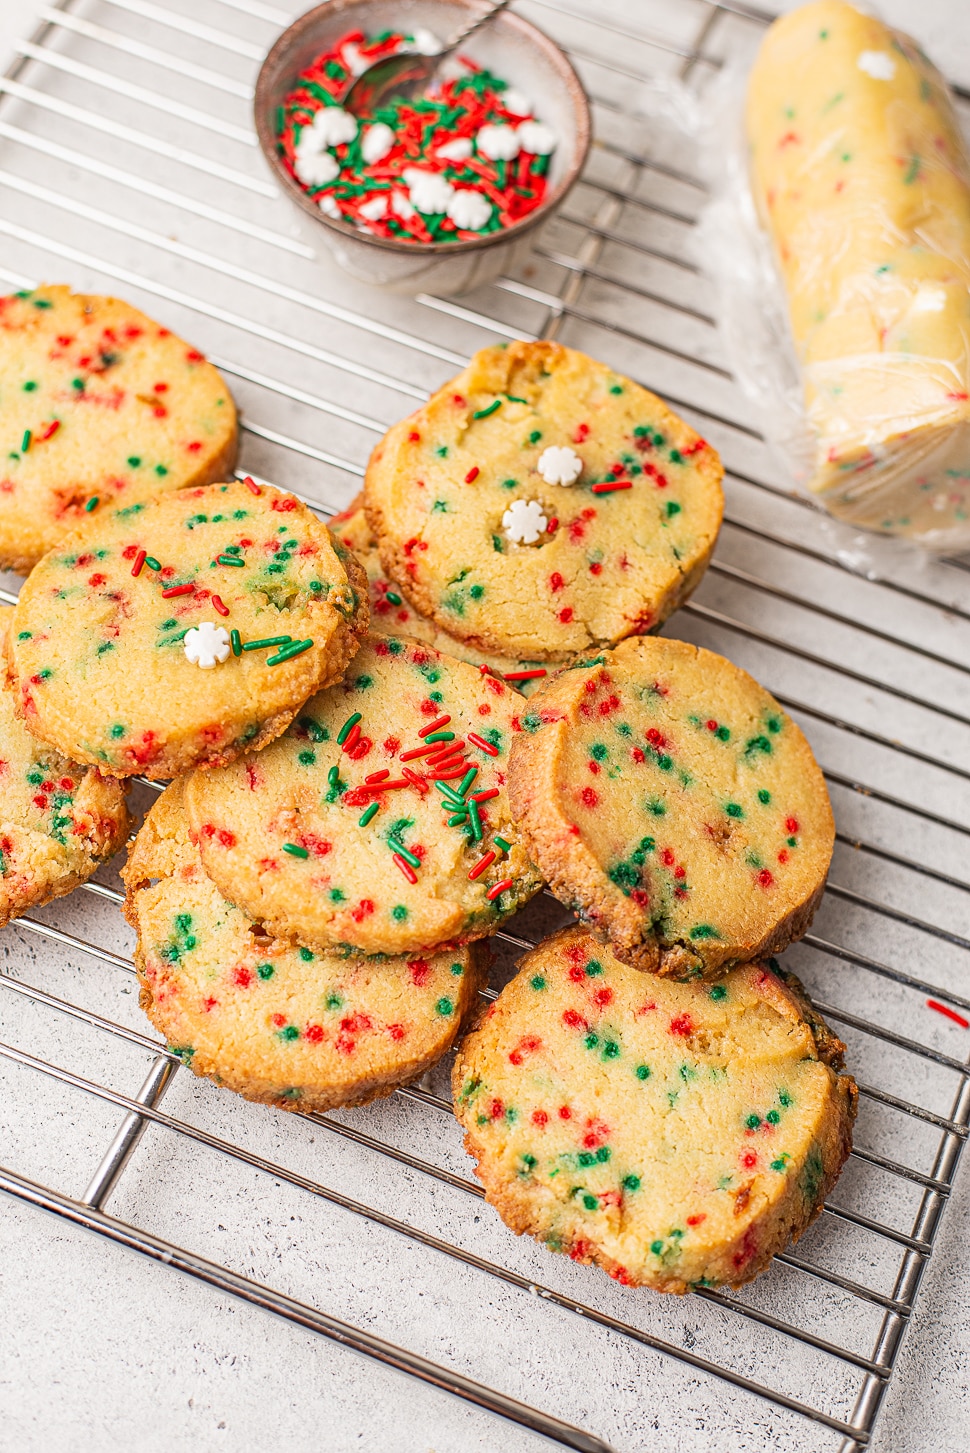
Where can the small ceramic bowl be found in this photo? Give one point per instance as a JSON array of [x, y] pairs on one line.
[[514, 50]]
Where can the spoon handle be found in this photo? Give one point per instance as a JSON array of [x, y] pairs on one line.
[[462, 35]]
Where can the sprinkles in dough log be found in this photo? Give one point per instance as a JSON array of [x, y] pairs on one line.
[[863, 179]]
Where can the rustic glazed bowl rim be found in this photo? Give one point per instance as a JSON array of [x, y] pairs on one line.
[[264, 116]]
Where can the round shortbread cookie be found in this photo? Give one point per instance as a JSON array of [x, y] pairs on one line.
[[669, 800], [678, 1135], [482, 519], [99, 407], [392, 615], [58, 821], [299, 838], [107, 651], [275, 1022]]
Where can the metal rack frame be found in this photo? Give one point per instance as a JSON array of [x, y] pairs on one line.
[[934, 801]]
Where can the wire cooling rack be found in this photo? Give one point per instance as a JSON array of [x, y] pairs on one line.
[[128, 163]]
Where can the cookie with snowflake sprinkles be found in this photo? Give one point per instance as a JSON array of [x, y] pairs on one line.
[[59, 821], [677, 1135], [380, 821], [670, 801], [99, 407], [275, 1022], [184, 629], [395, 616], [540, 504]]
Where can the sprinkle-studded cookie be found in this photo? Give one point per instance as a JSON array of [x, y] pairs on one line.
[[394, 616], [58, 821], [275, 1022], [99, 407], [670, 801], [180, 630], [540, 504], [379, 822], [677, 1135]]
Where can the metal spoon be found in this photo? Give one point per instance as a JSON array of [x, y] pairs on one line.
[[407, 74]]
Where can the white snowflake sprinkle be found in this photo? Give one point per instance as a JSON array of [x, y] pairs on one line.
[[524, 521], [424, 41], [429, 191], [206, 645], [458, 150], [560, 465], [374, 208], [401, 205], [317, 171], [469, 209], [311, 143], [334, 125], [377, 142], [537, 139], [498, 143], [878, 64], [516, 102], [327, 203]]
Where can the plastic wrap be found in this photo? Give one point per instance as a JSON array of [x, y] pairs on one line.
[[839, 235]]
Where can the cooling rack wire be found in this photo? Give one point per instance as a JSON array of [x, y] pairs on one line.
[[128, 163]]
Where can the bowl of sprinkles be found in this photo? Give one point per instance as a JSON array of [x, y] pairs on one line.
[[441, 191]]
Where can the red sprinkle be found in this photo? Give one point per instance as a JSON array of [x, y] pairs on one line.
[[482, 744], [252, 486], [525, 675], [948, 1013], [378, 776], [217, 604], [186, 589], [498, 890], [481, 865], [420, 752], [485, 796], [442, 721], [406, 868], [139, 562], [353, 737], [612, 485], [472, 474], [552, 526]]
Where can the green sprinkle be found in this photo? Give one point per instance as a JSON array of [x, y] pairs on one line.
[[265, 971], [476, 821], [367, 814], [25, 441], [631, 1183], [439, 737], [538, 983], [718, 992], [230, 560], [501, 843], [92, 504], [484, 413], [404, 852], [333, 776], [764, 796], [295, 850], [267, 641], [393, 597], [753, 1121], [399, 913], [236, 641], [29, 386], [152, 563], [134, 461], [467, 781], [347, 728], [643, 1072], [444, 1006], [286, 653], [535, 436]]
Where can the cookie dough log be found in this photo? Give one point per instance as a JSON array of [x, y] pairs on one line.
[[59, 821], [541, 505], [677, 1135], [274, 1022], [672, 804], [862, 177], [99, 406]]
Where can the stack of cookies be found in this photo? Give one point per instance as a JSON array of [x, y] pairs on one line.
[[383, 741]]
